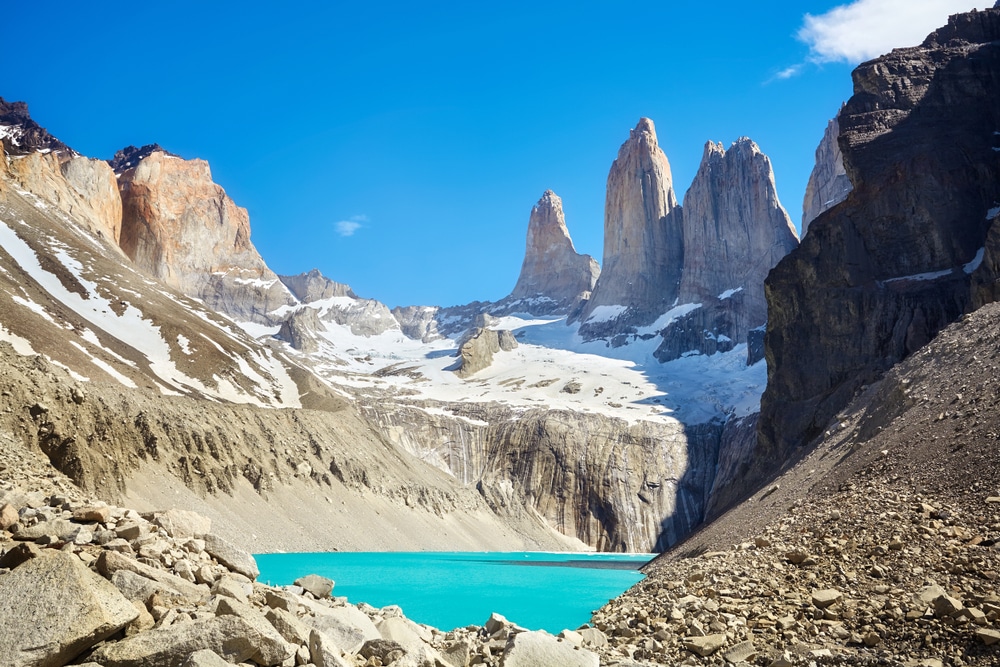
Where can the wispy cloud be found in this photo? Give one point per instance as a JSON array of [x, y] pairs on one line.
[[351, 225], [865, 29], [786, 73]]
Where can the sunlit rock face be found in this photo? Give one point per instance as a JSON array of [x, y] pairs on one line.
[[554, 276], [828, 183], [180, 227], [643, 234]]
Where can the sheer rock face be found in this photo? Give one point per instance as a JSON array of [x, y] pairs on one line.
[[914, 246], [735, 231], [554, 276], [84, 189], [181, 228], [643, 235], [828, 183]]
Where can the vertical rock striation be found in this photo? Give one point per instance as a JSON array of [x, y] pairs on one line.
[[182, 229], [914, 246], [735, 231], [643, 236], [554, 276], [828, 183]]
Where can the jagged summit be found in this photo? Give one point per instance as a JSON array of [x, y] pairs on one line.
[[21, 135], [314, 286], [643, 236], [553, 272], [130, 156]]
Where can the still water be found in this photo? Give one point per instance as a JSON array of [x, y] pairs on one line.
[[540, 591]]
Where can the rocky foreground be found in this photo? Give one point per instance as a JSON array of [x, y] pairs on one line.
[[86, 583]]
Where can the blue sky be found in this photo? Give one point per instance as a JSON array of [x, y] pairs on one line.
[[400, 146]]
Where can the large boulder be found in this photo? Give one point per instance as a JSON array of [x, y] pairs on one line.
[[230, 637], [231, 556], [52, 608], [539, 649]]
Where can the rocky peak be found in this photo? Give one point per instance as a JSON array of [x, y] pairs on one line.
[[828, 183], [180, 227], [314, 286], [553, 271], [643, 236], [913, 247], [21, 135], [735, 229], [130, 156]]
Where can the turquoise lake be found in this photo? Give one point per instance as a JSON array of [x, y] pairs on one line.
[[540, 591]]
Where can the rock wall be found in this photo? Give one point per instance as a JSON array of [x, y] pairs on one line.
[[182, 229], [914, 245], [643, 233], [554, 276], [613, 485], [828, 183]]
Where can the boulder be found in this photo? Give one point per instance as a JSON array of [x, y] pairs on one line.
[[231, 556], [272, 649], [110, 562], [230, 637], [319, 586], [181, 524], [539, 649], [324, 652], [347, 626], [52, 608], [204, 658]]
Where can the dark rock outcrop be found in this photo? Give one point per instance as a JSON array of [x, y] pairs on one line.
[[476, 352], [20, 134], [828, 183], [554, 276], [643, 236], [914, 246]]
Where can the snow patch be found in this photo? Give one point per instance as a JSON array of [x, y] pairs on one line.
[[184, 344], [976, 261], [605, 314], [21, 345], [730, 292], [931, 275], [993, 212]]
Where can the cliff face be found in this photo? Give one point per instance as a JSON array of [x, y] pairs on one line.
[[914, 245], [554, 276], [181, 228], [643, 234], [735, 231], [828, 183]]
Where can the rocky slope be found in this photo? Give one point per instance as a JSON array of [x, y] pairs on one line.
[[554, 276], [913, 246], [181, 228], [878, 546], [828, 183]]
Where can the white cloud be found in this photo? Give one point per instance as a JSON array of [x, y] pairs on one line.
[[786, 73], [865, 29], [348, 227]]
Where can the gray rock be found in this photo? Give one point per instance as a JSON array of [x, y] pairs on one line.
[[228, 636], [319, 586], [705, 646], [272, 649], [60, 528], [204, 658], [53, 608], [288, 626], [324, 652], [182, 523], [347, 626], [110, 562], [231, 556], [538, 649]]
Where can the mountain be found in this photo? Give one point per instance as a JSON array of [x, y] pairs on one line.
[[911, 249], [828, 183], [643, 238], [554, 277], [181, 228]]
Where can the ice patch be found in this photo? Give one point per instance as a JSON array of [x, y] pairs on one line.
[[993, 212], [729, 292], [976, 261], [931, 275]]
